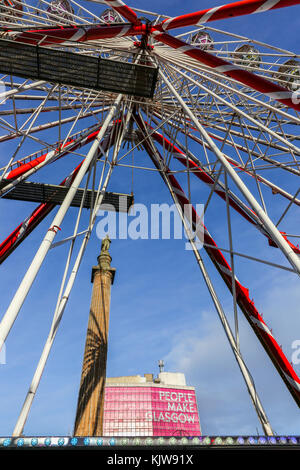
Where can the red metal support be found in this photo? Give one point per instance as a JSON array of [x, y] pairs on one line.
[[230, 10]]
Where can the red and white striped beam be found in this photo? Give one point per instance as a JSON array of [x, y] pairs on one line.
[[243, 210], [19, 173], [230, 10], [268, 88], [63, 35], [123, 9], [263, 333]]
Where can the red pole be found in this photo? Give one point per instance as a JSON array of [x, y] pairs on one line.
[[245, 7]]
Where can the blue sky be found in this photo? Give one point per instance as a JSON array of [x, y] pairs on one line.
[[160, 307]]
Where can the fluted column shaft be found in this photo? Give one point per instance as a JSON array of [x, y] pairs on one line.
[[90, 407]]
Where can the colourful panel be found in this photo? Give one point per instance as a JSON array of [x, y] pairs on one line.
[[150, 411]]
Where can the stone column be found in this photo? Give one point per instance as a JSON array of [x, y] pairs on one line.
[[90, 406]]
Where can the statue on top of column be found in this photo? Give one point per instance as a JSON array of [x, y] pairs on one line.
[[105, 244]]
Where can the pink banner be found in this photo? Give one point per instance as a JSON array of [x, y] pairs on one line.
[[150, 411]]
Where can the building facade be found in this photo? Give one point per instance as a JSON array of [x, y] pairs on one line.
[[144, 406]]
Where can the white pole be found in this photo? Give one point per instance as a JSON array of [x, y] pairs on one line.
[[24, 287], [268, 224]]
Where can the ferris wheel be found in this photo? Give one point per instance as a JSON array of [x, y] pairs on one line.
[[100, 81]]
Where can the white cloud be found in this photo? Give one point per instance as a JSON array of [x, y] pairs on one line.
[[204, 354]]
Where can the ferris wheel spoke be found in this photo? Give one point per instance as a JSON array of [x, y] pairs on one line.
[[288, 207], [223, 115], [275, 188], [232, 141], [123, 9], [72, 18], [278, 51], [197, 169], [267, 143], [36, 16], [26, 132], [67, 284], [14, 134], [260, 154], [226, 88], [69, 95], [274, 234], [87, 102], [145, 12], [81, 7], [41, 211], [7, 16], [46, 109], [254, 173], [252, 258]]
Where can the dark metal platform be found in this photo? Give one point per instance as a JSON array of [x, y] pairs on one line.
[[38, 192], [79, 70]]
